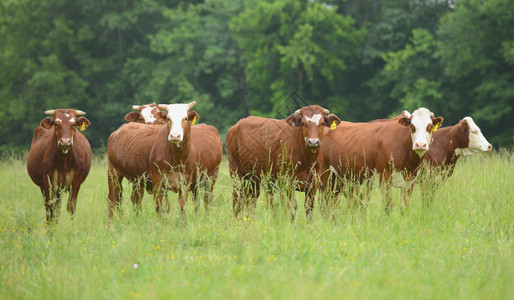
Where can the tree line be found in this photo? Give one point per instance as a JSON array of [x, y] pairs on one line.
[[362, 59]]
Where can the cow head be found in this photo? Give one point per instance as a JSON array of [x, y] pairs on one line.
[[421, 122], [472, 137], [179, 120], [312, 120], [149, 114], [64, 121]]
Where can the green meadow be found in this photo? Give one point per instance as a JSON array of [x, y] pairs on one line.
[[461, 247]]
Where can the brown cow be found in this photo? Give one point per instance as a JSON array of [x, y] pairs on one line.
[[149, 114], [59, 158], [128, 149], [134, 150], [449, 144], [205, 140], [256, 147], [357, 150], [181, 152]]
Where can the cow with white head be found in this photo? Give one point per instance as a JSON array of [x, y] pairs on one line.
[[149, 114], [450, 143], [179, 120], [422, 123], [174, 156], [178, 162]]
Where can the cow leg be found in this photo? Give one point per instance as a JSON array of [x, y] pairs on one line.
[[182, 198], [114, 196], [138, 190], [387, 192], [160, 196], [72, 201], [52, 200], [309, 203], [254, 193], [406, 194], [209, 192], [195, 189], [250, 191], [236, 202]]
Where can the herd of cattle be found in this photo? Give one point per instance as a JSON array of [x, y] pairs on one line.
[[162, 149]]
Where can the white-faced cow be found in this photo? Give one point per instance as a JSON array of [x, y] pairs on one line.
[[259, 147], [356, 151], [184, 156], [449, 144], [149, 114], [59, 158], [181, 159]]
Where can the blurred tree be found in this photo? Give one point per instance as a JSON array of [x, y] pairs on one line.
[[475, 48], [361, 59], [293, 46], [198, 59], [412, 75]]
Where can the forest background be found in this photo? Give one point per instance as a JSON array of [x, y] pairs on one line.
[[362, 59]]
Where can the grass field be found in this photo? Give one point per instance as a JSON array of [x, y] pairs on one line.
[[459, 248]]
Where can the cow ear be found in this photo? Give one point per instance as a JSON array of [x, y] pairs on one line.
[[463, 125], [405, 121], [294, 120], [192, 115], [47, 123], [437, 121], [82, 123], [330, 119], [133, 116]]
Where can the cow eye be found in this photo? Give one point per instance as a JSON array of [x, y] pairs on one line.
[[474, 132], [304, 125], [429, 127], [412, 128]]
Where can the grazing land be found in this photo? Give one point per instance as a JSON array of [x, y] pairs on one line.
[[461, 247]]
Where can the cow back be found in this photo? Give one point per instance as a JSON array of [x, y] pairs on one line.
[[129, 147], [356, 148], [257, 145], [208, 147]]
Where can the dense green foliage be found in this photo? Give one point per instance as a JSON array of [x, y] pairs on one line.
[[361, 59], [460, 248]]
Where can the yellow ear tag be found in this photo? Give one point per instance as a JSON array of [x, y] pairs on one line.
[[194, 120], [83, 126], [435, 127], [333, 126]]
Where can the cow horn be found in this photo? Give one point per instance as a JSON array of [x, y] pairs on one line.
[[49, 112], [191, 105], [163, 106], [79, 113], [327, 111], [297, 112], [136, 107]]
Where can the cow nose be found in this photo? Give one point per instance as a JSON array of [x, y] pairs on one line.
[[313, 143], [174, 137], [490, 147], [420, 146], [65, 143]]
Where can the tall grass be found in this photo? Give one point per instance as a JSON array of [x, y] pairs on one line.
[[459, 247]]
